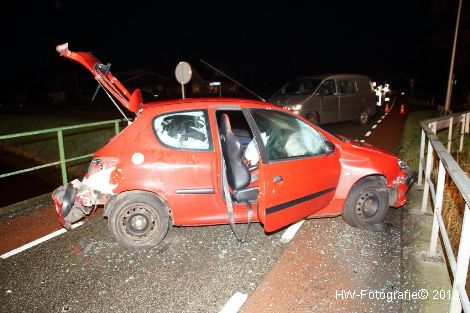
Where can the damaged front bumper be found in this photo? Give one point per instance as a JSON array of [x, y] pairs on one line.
[[75, 200], [401, 186]]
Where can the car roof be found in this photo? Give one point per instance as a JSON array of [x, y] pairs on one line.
[[325, 76], [208, 101]]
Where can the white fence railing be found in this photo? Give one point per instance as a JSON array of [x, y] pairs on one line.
[[447, 165]]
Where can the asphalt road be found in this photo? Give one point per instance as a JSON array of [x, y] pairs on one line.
[[353, 130], [195, 269]]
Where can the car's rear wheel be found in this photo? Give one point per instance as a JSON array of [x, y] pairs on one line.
[[364, 116], [313, 118], [367, 203], [138, 220]]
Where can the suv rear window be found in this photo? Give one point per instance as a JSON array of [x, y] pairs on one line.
[[187, 130]]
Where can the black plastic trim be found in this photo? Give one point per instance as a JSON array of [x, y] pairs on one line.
[[291, 203]]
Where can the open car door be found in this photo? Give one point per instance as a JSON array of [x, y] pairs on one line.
[[300, 171], [132, 102]]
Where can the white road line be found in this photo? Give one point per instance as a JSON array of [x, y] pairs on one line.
[[38, 241], [379, 121], [382, 117], [362, 140], [367, 134], [234, 303], [374, 126], [291, 231]]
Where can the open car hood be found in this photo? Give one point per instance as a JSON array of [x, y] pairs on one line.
[[133, 102]]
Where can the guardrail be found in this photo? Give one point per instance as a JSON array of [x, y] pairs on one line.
[[60, 140], [447, 165]]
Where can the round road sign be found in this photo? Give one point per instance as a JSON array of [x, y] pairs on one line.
[[183, 72]]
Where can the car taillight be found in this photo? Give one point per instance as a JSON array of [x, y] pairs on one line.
[[99, 164]]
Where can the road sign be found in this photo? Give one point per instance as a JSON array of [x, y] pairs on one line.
[[183, 74]]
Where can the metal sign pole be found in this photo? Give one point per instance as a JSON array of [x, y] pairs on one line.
[[451, 74]]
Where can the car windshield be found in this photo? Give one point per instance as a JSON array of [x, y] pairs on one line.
[[303, 86]]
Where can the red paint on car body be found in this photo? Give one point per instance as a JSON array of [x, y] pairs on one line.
[[310, 186]]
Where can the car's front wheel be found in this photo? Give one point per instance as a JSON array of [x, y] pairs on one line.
[[138, 220], [367, 203]]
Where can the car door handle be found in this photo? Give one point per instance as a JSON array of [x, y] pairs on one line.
[[277, 179]]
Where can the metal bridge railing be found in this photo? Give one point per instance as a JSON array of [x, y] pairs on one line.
[[447, 165], [60, 140]]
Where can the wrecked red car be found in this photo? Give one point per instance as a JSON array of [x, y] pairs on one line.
[[217, 161]]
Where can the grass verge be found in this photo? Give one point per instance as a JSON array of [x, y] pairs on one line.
[[411, 140]]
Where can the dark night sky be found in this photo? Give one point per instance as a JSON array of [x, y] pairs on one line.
[[262, 43]]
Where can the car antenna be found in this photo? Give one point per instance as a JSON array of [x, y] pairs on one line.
[[239, 84]]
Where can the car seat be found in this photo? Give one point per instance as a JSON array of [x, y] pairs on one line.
[[238, 174]]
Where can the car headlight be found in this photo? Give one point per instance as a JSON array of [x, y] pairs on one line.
[[295, 107], [403, 165]]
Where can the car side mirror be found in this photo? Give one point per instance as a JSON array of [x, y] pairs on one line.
[[329, 147]]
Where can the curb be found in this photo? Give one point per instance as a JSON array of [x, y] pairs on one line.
[[419, 271]]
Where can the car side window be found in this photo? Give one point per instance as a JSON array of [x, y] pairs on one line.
[[346, 86], [286, 136], [328, 88], [187, 130]]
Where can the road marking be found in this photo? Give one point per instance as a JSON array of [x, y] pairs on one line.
[[234, 304], [362, 140], [374, 126], [38, 241], [379, 121], [382, 117], [367, 134], [291, 231]]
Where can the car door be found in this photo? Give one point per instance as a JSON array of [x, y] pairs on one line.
[[298, 174], [349, 100], [329, 112]]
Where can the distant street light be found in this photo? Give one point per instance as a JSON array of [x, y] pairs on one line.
[[451, 70]]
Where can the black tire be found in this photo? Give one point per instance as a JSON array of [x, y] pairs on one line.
[[363, 117], [367, 203], [138, 220], [313, 118]]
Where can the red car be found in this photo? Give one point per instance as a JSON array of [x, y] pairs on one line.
[[217, 160]]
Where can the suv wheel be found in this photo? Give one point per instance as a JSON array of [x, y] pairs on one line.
[[364, 117]]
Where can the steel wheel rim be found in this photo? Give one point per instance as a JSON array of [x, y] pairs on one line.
[[367, 205], [139, 222]]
